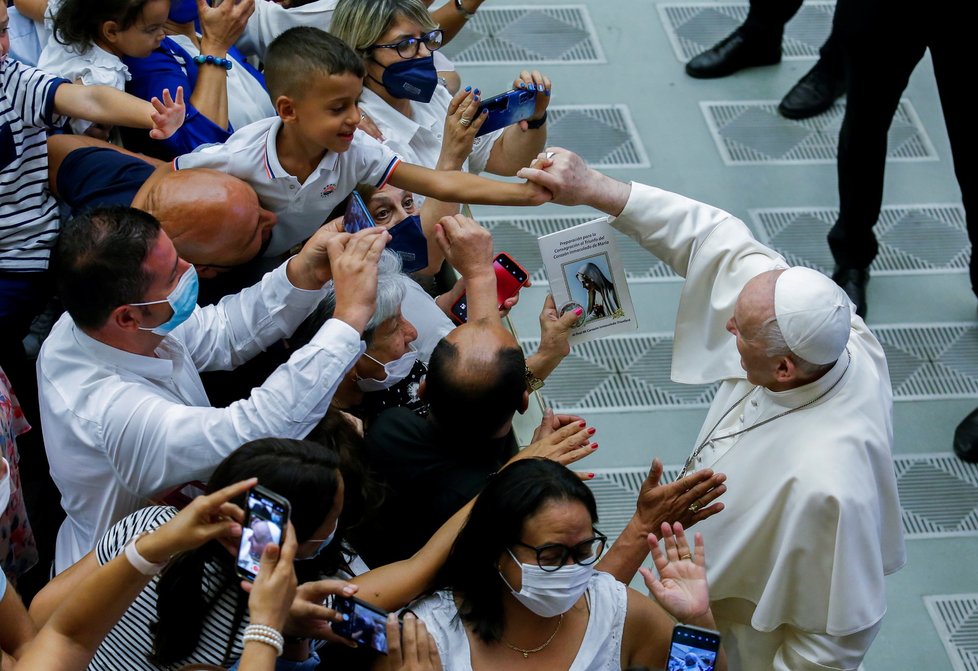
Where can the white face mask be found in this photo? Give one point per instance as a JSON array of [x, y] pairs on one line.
[[396, 370], [4, 486], [550, 593]]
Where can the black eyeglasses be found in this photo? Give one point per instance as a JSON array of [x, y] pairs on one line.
[[409, 48], [552, 556]]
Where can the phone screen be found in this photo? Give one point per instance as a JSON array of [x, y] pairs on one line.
[[693, 649], [357, 217], [267, 515], [367, 624]]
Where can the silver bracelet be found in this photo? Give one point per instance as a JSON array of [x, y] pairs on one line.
[[139, 562]]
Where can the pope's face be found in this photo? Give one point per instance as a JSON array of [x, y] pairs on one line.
[[754, 307]]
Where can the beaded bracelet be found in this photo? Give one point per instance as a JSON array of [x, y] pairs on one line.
[[266, 635], [534, 124], [225, 63]]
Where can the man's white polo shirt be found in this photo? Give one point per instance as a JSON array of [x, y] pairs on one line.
[[250, 154]]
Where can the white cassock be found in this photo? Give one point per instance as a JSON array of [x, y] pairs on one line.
[[812, 520]]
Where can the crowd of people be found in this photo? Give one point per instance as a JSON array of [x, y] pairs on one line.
[[174, 178]]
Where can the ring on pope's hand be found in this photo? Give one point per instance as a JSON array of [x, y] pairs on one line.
[[465, 122], [686, 556], [550, 155], [693, 507]]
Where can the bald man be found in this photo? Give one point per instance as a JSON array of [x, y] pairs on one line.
[[213, 219], [801, 424]]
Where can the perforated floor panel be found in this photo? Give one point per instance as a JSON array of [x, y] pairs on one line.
[[917, 239], [752, 132], [953, 514], [523, 35], [955, 617], [603, 135], [518, 236], [631, 373], [695, 27]]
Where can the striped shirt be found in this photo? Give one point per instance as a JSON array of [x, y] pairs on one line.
[[28, 212], [130, 642]]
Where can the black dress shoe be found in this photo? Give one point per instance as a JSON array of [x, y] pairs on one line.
[[731, 54], [966, 438], [853, 281], [813, 94]]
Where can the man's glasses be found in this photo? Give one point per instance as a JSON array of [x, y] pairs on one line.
[[409, 48], [552, 556]]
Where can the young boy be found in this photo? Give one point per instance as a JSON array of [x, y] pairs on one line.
[[31, 101], [309, 158]]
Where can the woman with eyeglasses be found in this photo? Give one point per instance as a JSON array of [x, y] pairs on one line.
[[522, 584], [417, 116]]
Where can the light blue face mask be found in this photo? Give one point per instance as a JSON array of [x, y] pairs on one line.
[[183, 300], [323, 545]]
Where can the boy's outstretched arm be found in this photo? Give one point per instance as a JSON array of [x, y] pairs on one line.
[[104, 104], [462, 187]]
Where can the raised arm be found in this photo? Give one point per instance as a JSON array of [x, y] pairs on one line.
[[520, 143], [75, 630], [461, 187], [104, 104]]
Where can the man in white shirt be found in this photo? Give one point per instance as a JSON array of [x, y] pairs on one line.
[[801, 425], [124, 413]]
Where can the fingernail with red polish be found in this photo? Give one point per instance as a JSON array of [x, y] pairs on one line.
[[594, 446], [582, 424], [591, 431], [578, 311], [590, 475]]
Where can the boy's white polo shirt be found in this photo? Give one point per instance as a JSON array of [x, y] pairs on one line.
[[250, 154]]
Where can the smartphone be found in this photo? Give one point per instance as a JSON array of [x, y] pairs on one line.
[[693, 648], [506, 109], [357, 216], [510, 278], [266, 517], [366, 624]]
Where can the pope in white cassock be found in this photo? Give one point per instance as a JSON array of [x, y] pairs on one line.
[[801, 425]]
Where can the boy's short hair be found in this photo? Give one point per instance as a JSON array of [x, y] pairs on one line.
[[300, 53], [360, 23]]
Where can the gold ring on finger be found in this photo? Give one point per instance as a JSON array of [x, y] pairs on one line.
[[686, 556], [465, 122], [693, 507]]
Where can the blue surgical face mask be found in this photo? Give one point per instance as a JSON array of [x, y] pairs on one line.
[[414, 79], [407, 239], [183, 300], [183, 11]]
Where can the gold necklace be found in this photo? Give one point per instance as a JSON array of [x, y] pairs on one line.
[[525, 652]]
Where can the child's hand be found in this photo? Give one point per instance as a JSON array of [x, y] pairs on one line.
[[169, 114], [534, 81]]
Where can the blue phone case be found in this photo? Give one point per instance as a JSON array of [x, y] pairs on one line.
[[357, 217], [506, 109]]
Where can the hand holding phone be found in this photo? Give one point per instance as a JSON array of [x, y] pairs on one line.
[[266, 518], [510, 278], [506, 109], [364, 623], [693, 649]]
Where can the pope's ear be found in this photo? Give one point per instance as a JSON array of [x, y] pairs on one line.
[[786, 370]]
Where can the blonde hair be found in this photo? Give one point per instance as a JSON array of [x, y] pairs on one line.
[[360, 23]]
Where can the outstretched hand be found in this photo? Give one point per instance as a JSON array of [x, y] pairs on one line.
[[561, 438], [168, 115], [565, 175], [206, 518], [681, 586], [687, 501]]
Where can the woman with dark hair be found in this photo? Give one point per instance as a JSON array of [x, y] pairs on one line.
[[195, 612], [520, 583]]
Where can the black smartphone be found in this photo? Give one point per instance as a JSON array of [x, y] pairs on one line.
[[693, 648], [506, 109], [357, 216], [510, 278], [366, 624], [266, 517]]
